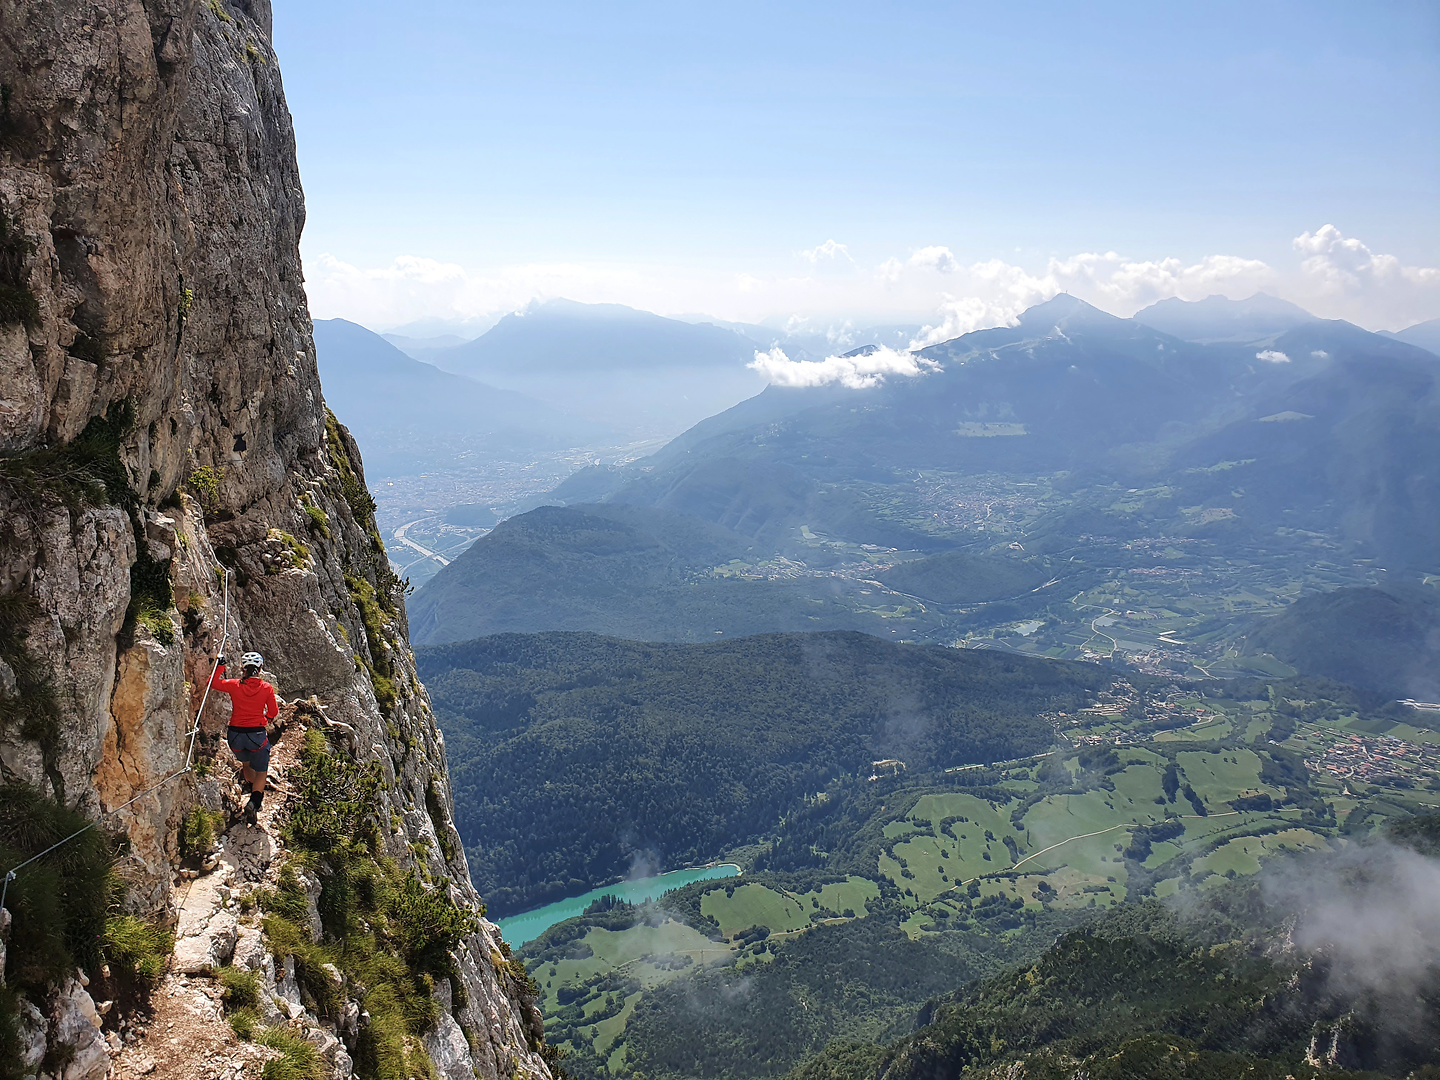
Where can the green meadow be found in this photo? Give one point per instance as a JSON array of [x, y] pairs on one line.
[[954, 860]]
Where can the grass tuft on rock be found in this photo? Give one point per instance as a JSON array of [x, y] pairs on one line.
[[298, 1060], [137, 951], [82, 473], [239, 987], [244, 1023], [199, 831], [151, 597]]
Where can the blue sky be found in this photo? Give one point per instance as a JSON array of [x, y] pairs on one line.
[[687, 157]]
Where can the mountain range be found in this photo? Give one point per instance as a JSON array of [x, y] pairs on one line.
[[643, 374], [1259, 428], [1216, 318], [1329, 420], [412, 415]]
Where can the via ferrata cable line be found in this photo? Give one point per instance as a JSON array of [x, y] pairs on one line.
[[189, 754]]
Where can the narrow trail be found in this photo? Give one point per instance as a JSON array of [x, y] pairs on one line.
[[183, 1033]]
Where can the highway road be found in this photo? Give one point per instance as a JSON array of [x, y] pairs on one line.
[[412, 545]]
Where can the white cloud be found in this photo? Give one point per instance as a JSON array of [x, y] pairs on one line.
[[890, 270], [964, 314], [1353, 282], [1272, 356], [999, 291], [855, 372], [828, 250], [936, 258], [1332, 275]]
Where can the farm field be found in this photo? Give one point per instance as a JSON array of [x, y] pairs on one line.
[[1139, 798]]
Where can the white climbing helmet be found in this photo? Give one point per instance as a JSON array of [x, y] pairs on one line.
[[252, 659]]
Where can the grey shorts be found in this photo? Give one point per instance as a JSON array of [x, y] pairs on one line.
[[251, 745]]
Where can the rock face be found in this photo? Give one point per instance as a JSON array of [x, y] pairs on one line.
[[147, 164]]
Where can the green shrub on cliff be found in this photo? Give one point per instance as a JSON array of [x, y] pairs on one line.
[[205, 483], [136, 951], [60, 904], [17, 302], [84, 472], [387, 933]]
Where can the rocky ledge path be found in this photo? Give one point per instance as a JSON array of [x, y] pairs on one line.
[[184, 1034]]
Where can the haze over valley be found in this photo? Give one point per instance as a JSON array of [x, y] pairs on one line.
[[1203, 535]]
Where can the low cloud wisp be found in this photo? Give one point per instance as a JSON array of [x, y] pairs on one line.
[[860, 371], [1373, 914]]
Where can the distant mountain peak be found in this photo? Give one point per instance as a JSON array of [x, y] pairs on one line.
[[1425, 335], [561, 308], [1259, 303], [1061, 310], [1217, 318]]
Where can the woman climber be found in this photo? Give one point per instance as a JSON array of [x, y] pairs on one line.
[[253, 706]]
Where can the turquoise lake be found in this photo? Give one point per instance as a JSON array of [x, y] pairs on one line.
[[528, 925]]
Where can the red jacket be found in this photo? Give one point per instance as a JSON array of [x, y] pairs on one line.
[[252, 701]]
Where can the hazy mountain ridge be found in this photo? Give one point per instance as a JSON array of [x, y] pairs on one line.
[[639, 372], [1328, 429], [1424, 335], [1216, 319], [412, 415]]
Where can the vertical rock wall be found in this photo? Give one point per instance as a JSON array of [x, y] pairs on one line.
[[147, 161]]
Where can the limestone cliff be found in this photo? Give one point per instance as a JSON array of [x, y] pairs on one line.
[[161, 417]]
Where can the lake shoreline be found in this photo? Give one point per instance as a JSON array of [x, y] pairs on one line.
[[528, 925]]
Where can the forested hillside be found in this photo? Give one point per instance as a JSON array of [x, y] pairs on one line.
[[1384, 639], [615, 750], [630, 571]]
